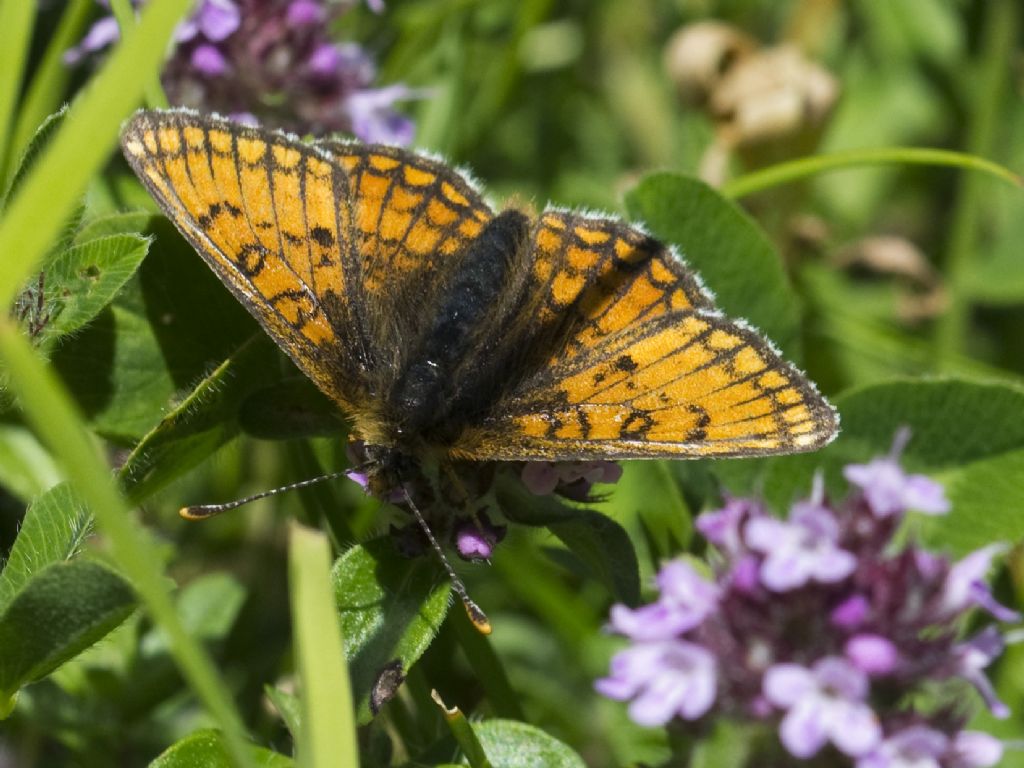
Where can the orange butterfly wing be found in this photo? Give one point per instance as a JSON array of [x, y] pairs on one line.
[[644, 366], [268, 214]]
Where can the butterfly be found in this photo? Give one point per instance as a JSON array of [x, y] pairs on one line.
[[449, 333]]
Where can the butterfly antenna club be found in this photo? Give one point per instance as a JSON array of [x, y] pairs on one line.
[[474, 611]]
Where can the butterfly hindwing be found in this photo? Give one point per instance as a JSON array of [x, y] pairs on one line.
[[644, 366]]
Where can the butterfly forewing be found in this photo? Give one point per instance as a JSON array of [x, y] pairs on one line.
[[412, 221], [268, 214]]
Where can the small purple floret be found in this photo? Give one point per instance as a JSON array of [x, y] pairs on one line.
[[965, 585], [802, 550], [476, 538], [851, 613], [723, 527], [101, 34], [216, 20], [974, 749], [915, 747], [971, 657], [208, 60], [888, 490], [872, 654], [303, 13], [825, 703], [665, 680], [274, 59], [571, 478], [686, 600]]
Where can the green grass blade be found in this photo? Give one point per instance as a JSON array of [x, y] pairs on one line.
[[463, 733], [17, 17], [785, 173], [77, 152], [125, 16], [51, 412], [328, 735], [46, 90]]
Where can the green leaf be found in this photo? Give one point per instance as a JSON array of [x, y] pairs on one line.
[[42, 136], [32, 217], [54, 528], [40, 139], [952, 422], [288, 707], [465, 736], [327, 736], [291, 409], [208, 607], [117, 374], [82, 280], [118, 223], [59, 612], [985, 498], [650, 495], [17, 21], [391, 607], [603, 545], [731, 253], [201, 423], [206, 749], [170, 327], [511, 744], [26, 467], [50, 75], [599, 542]]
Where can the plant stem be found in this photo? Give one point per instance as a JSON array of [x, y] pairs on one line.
[[785, 173]]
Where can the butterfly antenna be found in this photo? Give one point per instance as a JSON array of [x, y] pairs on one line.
[[475, 613], [203, 511]]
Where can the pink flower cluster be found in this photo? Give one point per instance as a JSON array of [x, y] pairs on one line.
[[823, 627], [273, 62]]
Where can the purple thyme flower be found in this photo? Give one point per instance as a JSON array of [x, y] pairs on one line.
[[216, 20], [974, 749], [568, 478], [872, 654], [686, 600], [915, 747], [475, 538], [799, 551], [723, 527], [965, 587], [665, 680], [972, 656], [829, 626], [919, 746], [823, 703], [851, 613], [273, 60], [888, 490], [101, 34]]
